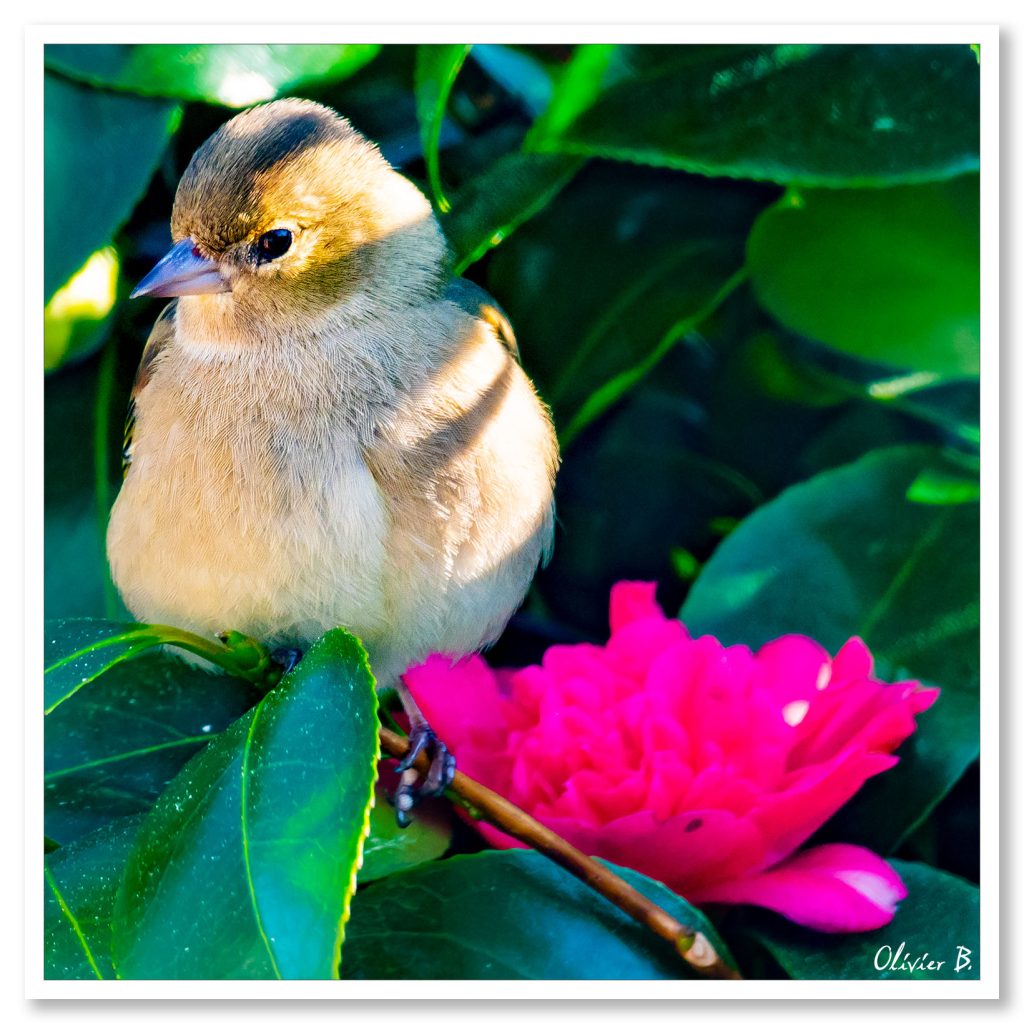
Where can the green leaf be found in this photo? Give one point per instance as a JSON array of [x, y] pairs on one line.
[[81, 882], [79, 651], [110, 141], [592, 66], [77, 319], [508, 914], [846, 554], [601, 284], [436, 69], [235, 75], [246, 865], [940, 914], [814, 115], [891, 276], [945, 485], [389, 848], [111, 750], [492, 205]]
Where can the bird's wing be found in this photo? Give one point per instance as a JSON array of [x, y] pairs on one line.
[[159, 337], [478, 303]]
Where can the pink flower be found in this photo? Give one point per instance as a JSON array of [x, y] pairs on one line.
[[700, 765]]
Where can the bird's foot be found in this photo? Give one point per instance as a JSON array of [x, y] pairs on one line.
[[285, 658], [438, 778]]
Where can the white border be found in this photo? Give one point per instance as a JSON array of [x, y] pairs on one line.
[[988, 36]]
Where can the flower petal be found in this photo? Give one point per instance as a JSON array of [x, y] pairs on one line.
[[853, 661], [794, 667], [833, 888], [632, 601], [790, 816]]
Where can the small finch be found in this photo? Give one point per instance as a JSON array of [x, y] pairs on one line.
[[327, 428]]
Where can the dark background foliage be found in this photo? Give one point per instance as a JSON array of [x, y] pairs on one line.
[[746, 279]]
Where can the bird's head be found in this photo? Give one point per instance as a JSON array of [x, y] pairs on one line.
[[285, 213]]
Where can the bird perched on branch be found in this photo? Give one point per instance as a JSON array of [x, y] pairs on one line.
[[327, 429]]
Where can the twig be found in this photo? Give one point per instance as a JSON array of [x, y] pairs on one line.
[[692, 945]]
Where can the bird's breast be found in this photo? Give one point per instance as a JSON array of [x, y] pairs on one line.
[[249, 505]]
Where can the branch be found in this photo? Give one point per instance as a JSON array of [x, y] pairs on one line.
[[692, 945]]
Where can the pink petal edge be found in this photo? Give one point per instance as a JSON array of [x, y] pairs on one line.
[[632, 601], [832, 888]]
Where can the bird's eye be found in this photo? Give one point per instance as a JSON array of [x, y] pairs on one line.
[[273, 244]]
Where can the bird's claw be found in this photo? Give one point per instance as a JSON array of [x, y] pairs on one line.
[[285, 658], [438, 778]]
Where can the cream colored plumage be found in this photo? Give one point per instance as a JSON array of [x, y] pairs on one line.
[[344, 437]]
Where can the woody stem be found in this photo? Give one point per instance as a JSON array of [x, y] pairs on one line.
[[692, 945]]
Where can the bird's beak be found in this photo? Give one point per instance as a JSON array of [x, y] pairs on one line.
[[183, 271]]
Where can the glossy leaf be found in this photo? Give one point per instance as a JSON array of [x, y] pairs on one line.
[[79, 651], [81, 881], [235, 75], [436, 69], [389, 848], [246, 865], [111, 750], [101, 151], [939, 917], [890, 276], [807, 114], [509, 914], [846, 554], [492, 205]]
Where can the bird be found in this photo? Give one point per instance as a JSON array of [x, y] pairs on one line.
[[328, 428]]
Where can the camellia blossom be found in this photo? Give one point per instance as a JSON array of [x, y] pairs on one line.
[[701, 765]]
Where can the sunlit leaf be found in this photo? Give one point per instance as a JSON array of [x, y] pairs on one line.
[[591, 67], [77, 317], [246, 865], [944, 485], [232, 74], [891, 276]]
